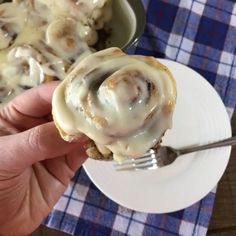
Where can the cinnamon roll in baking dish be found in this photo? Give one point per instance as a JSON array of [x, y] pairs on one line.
[[11, 24], [41, 39], [123, 103], [90, 15], [22, 68]]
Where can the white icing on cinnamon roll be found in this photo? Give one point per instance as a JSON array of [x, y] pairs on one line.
[[22, 68], [124, 103], [11, 24], [63, 35], [89, 14]]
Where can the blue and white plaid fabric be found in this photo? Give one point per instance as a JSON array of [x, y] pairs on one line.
[[197, 33]]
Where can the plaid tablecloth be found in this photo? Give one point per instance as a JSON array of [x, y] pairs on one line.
[[202, 35]]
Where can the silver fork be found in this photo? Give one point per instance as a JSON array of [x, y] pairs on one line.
[[166, 155]]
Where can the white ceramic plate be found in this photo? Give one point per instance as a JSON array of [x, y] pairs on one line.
[[199, 118]]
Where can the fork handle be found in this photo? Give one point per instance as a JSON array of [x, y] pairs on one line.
[[226, 142]]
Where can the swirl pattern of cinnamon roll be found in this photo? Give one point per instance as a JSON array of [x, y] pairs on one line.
[[63, 36], [123, 103]]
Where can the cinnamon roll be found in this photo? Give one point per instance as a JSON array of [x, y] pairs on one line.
[[90, 15], [22, 68], [123, 103], [11, 24], [63, 36]]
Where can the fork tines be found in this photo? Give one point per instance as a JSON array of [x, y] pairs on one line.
[[145, 162]]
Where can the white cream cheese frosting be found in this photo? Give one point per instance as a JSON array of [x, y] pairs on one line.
[[123, 103]]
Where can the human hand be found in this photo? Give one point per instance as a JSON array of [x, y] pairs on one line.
[[36, 165]]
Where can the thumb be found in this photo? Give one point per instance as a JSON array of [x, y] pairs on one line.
[[23, 149]]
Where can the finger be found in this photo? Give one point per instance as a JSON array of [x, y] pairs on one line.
[[76, 158], [36, 102], [6, 128], [42, 142], [63, 168], [30, 108]]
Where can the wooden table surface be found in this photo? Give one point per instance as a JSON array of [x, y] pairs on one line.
[[223, 221]]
